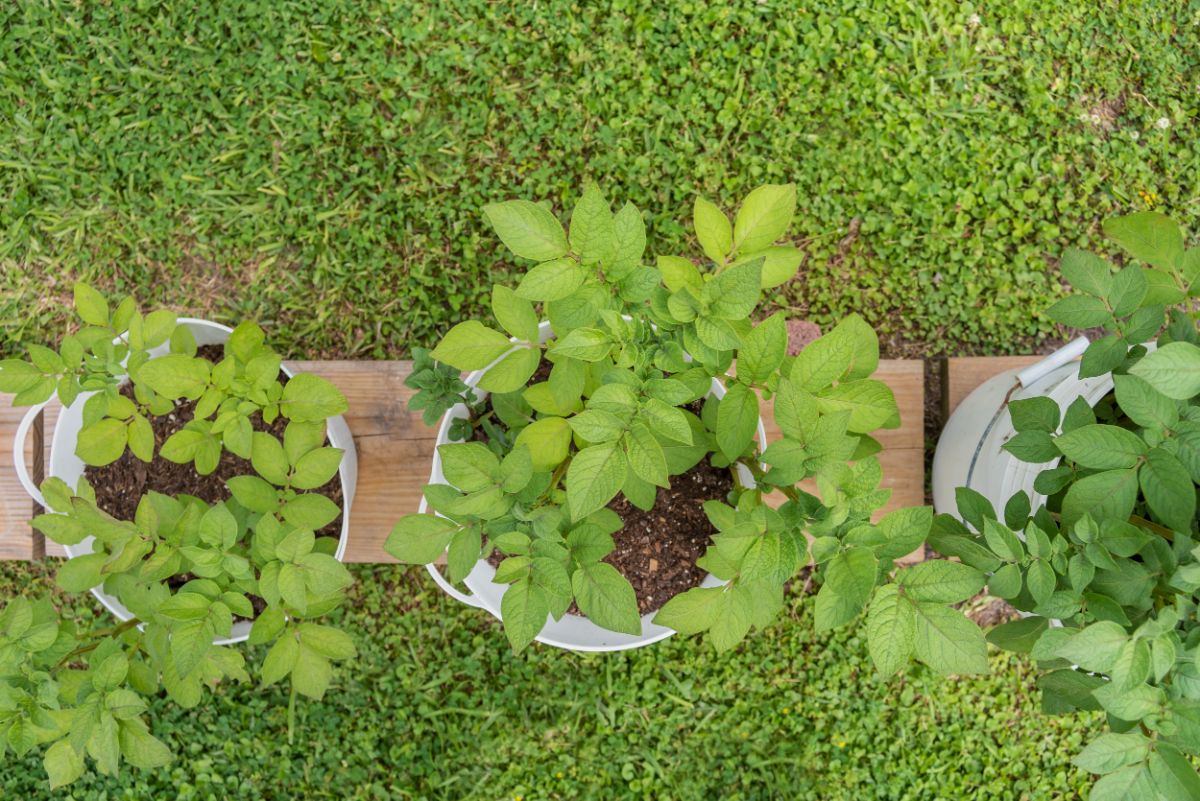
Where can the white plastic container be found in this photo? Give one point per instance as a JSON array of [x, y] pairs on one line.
[[66, 465], [572, 632], [969, 450]]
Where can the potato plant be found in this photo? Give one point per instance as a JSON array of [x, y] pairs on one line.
[[183, 568], [535, 465], [1107, 570]]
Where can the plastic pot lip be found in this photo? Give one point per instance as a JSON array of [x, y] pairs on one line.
[[479, 581], [339, 436]]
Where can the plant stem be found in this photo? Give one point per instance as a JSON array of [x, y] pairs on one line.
[[97, 636]]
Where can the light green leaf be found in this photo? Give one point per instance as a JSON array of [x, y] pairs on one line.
[[524, 609], [1087, 272], [281, 658], [308, 398], [780, 263], [515, 314], [665, 421], [253, 493], [312, 673], [630, 231], [734, 615], [849, 580], [891, 629], [871, 404], [737, 420], [512, 372], [678, 272], [102, 442], [586, 344], [469, 466], [1041, 581], [1018, 635], [593, 228], [940, 581], [594, 478], [1175, 778], [1101, 447], [419, 538], [691, 612], [548, 440], [1132, 782], [712, 229], [645, 454], [1173, 369], [1080, 311], [268, 458], [551, 280], [1168, 488], [528, 229], [81, 573], [471, 345], [310, 511], [596, 426], [1147, 236], [1095, 647], [606, 597], [1109, 752], [1143, 404], [62, 762], [1107, 495], [316, 468], [764, 216], [140, 748], [762, 350], [948, 642], [733, 294], [175, 375]]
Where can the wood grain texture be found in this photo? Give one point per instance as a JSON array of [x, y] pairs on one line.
[[15, 506], [395, 449], [963, 374]]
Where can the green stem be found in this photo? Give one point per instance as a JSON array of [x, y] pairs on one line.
[[97, 636]]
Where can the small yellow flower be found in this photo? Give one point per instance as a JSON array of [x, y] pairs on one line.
[[787, 710], [558, 775], [841, 743]]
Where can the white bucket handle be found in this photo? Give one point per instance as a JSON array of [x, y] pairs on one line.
[[1069, 352], [19, 454], [450, 590]]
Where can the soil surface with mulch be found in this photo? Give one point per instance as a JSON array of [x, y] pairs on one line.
[[121, 485], [657, 550]]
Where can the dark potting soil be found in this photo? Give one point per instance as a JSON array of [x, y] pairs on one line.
[[656, 550], [121, 485]]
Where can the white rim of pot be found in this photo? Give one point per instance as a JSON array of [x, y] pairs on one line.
[[63, 463], [572, 632]]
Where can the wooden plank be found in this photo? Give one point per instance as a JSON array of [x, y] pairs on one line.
[[395, 449], [15, 506], [963, 374]]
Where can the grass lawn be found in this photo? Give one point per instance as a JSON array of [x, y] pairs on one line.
[[319, 165], [437, 707]]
